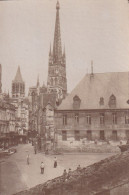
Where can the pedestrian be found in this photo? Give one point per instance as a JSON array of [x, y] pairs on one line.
[[42, 168], [78, 168], [28, 159], [65, 175], [69, 173], [55, 162], [35, 149]]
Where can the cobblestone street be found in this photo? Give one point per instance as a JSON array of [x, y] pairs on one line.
[[16, 175]]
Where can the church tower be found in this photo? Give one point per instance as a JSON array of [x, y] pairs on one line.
[[18, 85], [57, 81]]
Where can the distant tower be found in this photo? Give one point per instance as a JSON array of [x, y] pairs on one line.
[[18, 85], [0, 78], [57, 81]]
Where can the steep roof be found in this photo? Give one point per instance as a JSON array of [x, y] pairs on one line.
[[18, 77], [91, 88], [48, 98]]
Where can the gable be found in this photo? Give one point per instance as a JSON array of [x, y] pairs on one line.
[[100, 85]]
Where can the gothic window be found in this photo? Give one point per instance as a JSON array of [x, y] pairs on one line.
[[101, 118], [77, 135], [88, 119], [64, 135], [114, 118], [76, 117], [101, 102], [112, 101], [65, 119]]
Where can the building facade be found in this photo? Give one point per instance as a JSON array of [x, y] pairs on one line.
[[7, 124], [96, 110]]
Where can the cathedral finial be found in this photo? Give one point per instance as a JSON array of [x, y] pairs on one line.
[[57, 5]]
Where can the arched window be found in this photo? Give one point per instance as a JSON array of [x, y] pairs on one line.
[[101, 101], [112, 101]]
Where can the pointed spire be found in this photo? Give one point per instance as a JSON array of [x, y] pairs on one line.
[[50, 50], [38, 81], [57, 49], [18, 76], [92, 68]]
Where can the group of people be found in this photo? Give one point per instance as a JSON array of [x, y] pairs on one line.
[[67, 175], [42, 166]]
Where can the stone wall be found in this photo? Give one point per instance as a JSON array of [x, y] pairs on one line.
[[102, 178]]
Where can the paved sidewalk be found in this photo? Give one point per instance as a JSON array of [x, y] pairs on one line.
[[31, 173], [16, 175]]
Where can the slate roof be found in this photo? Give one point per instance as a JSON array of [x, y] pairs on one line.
[[18, 77], [48, 98], [90, 89]]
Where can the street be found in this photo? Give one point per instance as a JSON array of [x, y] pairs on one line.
[[16, 175]]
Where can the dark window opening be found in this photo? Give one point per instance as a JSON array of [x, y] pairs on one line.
[[114, 135], [127, 134], [112, 101], [89, 135], [64, 135], [127, 117], [102, 118], [88, 119], [77, 135], [77, 118], [114, 118], [101, 102], [64, 119], [102, 135]]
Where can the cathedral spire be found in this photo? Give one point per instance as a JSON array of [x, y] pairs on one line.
[[57, 49], [38, 81], [50, 50]]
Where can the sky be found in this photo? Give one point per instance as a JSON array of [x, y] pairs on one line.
[[95, 30]]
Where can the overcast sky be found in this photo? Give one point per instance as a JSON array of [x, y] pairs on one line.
[[95, 30]]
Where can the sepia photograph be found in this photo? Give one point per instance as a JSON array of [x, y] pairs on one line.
[[64, 97]]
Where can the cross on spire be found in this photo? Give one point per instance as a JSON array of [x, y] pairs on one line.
[[57, 48]]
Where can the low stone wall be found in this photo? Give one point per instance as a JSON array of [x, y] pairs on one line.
[[89, 147], [99, 178]]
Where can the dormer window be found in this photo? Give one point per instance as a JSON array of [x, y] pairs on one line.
[[101, 102], [76, 102], [112, 101]]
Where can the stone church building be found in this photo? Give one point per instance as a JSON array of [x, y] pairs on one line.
[[97, 109]]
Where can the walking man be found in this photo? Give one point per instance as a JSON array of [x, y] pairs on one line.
[[42, 168], [28, 159], [55, 162]]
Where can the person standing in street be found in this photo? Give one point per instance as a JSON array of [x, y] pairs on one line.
[[28, 159], [55, 162], [42, 168], [35, 149]]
